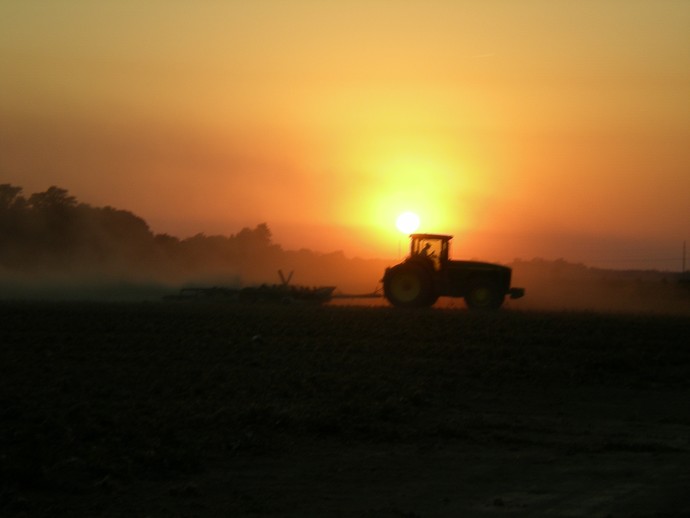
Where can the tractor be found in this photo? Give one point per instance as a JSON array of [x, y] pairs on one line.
[[428, 273]]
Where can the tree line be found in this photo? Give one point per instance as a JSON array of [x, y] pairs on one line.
[[51, 233]]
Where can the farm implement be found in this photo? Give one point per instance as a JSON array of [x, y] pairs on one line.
[[275, 293]]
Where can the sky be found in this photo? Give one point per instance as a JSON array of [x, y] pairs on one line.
[[534, 128]]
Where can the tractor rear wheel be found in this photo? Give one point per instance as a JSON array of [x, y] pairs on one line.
[[409, 285], [483, 295]]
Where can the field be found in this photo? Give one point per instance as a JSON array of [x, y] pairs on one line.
[[169, 409]]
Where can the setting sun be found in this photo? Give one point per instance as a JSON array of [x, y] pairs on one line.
[[407, 222]]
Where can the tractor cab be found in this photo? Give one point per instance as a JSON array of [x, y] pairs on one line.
[[433, 247]]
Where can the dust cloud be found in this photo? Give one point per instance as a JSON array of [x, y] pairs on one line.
[[559, 285]]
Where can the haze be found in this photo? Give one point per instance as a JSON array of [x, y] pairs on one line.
[[532, 128]]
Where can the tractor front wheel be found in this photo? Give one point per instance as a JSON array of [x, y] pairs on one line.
[[483, 296], [408, 285]]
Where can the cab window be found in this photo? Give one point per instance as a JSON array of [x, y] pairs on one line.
[[431, 248]]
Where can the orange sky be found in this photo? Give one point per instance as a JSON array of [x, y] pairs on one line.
[[533, 128]]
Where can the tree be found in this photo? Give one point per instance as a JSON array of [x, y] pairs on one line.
[[260, 236], [54, 197], [10, 196]]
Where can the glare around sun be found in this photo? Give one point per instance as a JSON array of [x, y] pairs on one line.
[[407, 222]]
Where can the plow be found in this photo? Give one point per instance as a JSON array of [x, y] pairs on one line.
[[284, 293]]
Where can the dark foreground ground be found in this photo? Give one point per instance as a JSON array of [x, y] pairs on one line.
[[192, 409]]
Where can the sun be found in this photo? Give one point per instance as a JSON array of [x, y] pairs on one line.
[[407, 222]]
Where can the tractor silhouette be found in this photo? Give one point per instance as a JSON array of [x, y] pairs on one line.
[[428, 273]]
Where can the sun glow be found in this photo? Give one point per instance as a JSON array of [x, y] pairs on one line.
[[407, 172], [407, 222]]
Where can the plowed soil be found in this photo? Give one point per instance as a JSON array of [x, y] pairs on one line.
[[192, 409]]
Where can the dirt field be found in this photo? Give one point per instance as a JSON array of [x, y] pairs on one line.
[[193, 409]]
